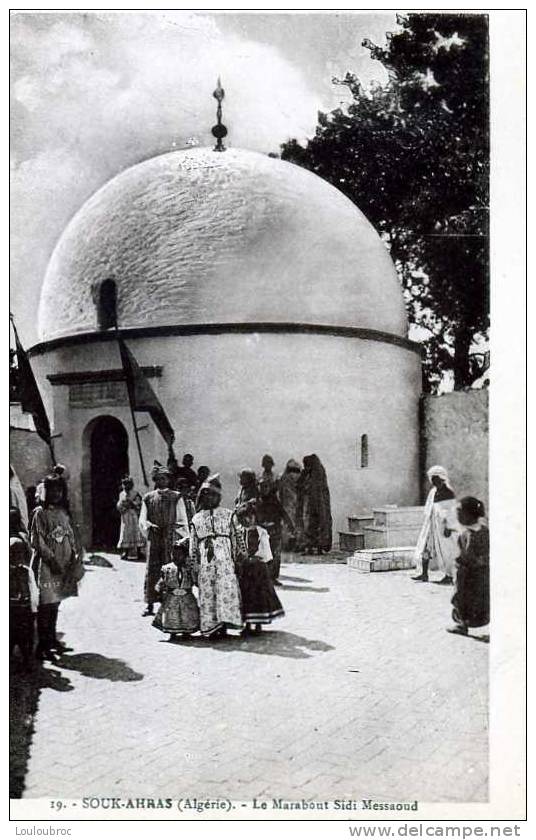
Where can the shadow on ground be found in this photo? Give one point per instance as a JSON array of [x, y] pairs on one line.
[[333, 556], [99, 667], [24, 691], [267, 643]]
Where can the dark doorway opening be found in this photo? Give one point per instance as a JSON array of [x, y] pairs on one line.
[[109, 463]]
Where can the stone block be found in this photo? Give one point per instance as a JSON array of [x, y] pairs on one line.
[[351, 541], [383, 559], [388, 537], [358, 522], [398, 516]]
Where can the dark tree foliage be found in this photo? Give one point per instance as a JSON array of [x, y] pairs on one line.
[[413, 154]]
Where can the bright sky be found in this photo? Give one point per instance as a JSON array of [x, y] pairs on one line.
[[93, 93]]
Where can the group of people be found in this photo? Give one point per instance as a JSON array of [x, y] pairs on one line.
[[233, 557], [454, 540], [45, 566], [226, 554]]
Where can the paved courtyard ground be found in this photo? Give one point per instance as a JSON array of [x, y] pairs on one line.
[[358, 692]]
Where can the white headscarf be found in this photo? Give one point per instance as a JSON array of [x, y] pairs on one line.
[[440, 472]]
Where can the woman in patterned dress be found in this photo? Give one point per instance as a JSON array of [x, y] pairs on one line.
[[213, 551]]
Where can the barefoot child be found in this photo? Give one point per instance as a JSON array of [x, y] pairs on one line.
[[178, 612], [260, 604], [471, 599]]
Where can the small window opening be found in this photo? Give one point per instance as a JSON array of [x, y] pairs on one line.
[[364, 451], [107, 305]]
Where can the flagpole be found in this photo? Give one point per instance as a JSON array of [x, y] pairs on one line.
[[136, 433]]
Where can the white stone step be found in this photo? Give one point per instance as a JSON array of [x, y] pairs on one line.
[[390, 559]]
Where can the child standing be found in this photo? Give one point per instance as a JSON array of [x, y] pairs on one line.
[[23, 591], [54, 545], [470, 602], [178, 612], [260, 604]]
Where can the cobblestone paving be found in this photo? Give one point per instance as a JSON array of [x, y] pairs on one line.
[[358, 692]]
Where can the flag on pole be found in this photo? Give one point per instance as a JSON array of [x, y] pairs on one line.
[[141, 395], [29, 394]]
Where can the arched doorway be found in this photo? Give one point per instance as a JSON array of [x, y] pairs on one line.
[[108, 449]]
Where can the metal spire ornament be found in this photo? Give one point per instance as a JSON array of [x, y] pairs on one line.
[[219, 131]]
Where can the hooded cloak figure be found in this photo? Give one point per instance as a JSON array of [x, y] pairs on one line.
[[288, 496], [471, 601], [314, 508]]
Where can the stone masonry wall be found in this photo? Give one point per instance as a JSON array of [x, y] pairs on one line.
[[455, 434]]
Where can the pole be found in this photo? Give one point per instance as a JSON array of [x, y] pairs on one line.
[[134, 424], [138, 441]]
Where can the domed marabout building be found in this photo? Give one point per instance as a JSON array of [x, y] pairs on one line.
[[267, 314]]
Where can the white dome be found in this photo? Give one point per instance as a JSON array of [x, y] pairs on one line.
[[204, 237]]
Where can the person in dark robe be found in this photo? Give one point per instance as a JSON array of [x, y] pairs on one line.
[[268, 474], [288, 496], [30, 501], [260, 604], [163, 522], [23, 591], [187, 472], [248, 486], [186, 495], [270, 515], [314, 508], [471, 601], [203, 473]]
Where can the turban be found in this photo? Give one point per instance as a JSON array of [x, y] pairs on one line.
[[212, 483], [159, 470], [440, 472]]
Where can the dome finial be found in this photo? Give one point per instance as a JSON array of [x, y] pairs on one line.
[[219, 131]]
